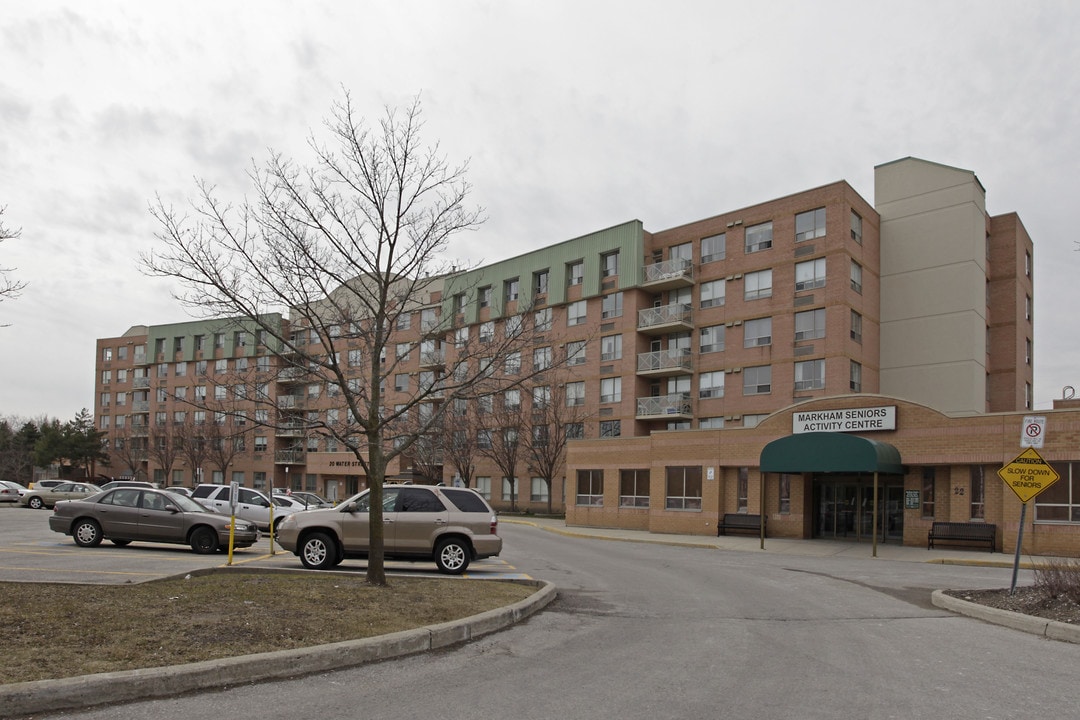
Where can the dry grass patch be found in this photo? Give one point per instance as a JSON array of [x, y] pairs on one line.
[[60, 630]]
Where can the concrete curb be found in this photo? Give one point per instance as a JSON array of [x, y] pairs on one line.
[[1050, 629], [106, 688]]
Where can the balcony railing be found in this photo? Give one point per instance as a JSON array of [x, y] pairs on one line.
[[672, 405], [432, 358], [292, 429], [673, 273], [666, 318], [290, 401], [290, 374], [290, 456], [140, 406], [140, 383], [673, 361]]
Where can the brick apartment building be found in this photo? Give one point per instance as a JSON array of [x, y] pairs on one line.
[[688, 351]]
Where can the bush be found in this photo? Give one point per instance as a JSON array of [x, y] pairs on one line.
[[1059, 578]]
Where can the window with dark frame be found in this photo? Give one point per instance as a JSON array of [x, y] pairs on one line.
[[929, 477]]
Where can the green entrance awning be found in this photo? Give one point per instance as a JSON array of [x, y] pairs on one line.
[[826, 452]]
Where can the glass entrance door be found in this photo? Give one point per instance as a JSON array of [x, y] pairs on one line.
[[844, 509]]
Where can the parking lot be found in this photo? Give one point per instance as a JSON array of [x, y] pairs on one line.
[[31, 552]]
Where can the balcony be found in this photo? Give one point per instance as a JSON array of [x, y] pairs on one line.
[[140, 430], [140, 406], [290, 429], [140, 383], [290, 456], [432, 358], [677, 317], [288, 402], [291, 374], [668, 275], [674, 406], [674, 361]]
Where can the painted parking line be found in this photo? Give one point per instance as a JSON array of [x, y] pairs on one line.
[[39, 570]]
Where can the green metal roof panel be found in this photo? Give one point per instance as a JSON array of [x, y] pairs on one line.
[[826, 452]]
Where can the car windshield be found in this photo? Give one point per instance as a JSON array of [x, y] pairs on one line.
[[184, 503]]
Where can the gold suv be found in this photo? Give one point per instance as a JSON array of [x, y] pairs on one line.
[[450, 526]]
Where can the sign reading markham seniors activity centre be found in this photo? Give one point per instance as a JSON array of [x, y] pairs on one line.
[[865, 419]]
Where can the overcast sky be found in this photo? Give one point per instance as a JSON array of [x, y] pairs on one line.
[[575, 116]]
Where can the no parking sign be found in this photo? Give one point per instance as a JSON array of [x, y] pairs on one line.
[[1033, 431]]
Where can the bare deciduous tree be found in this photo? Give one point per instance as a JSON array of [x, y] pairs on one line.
[[554, 422], [9, 287], [343, 248]]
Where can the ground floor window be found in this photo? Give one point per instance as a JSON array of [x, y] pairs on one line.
[[928, 479], [683, 488], [978, 492], [539, 491], [483, 486], [258, 480], [785, 494], [634, 488], [742, 489], [590, 487], [1061, 501]]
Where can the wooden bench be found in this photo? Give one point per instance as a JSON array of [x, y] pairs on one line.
[[740, 521], [973, 533]]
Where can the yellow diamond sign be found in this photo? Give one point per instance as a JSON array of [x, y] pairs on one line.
[[1028, 474]]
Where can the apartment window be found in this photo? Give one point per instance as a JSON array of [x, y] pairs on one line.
[[609, 264], [539, 490], [240, 339], [610, 428], [713, 248], [784, 504], [541, 397], [711, 339], [542, 320], [683, 490], [429, 320], [611, 305], [219, 341], [928, 481], [483, 439], [575, 272], [485, 296], [856, 227], [575, 431], [711, 423], [260, 335], [575, 313], [401, 351], [1027, 307], [178, 344], [179, 417], [107, 354], [590, 487], [575, 352], [1027, 351], [512, 399], [512, 363], [759, 237], [461, 337], [181, 393], [753, 420], [810, 324], [241, 364], [575, 393], [200, 368], [260, 444], [757, 285], [855, 382], [540, 282], [1061, 501], [757, 380], [978, 492], [512, 326], [757, 332], [262, 363], [510, 288], [1027, 263], [483, 486], [711, 384], [810, 225], [199, 417], [634, 488], [180, 369], [106, 377], [106, 399], [810, 274], [810, 375], [1027, 396], [121, 398], [742, 489], [610, 390], [856, 326], [221, 366], [487, 331], [611, 347], [541, 358], [712, 293], [856, 277]]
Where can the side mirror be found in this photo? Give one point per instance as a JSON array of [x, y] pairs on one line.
[[349, 508], [172, 508]]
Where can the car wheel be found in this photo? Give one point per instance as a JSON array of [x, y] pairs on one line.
[[452, 556], [120, 543], [35, 503], [204, 540], [318, 552], [87, 533]]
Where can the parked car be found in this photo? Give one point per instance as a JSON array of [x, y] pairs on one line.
[[124, 515], [450, 526], [112, 484], [38, 498], [309, 499], [179, 490], [11, 491], [288, 501], [251, 504]]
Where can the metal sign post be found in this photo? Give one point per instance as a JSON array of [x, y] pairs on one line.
[[1027, 475]]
